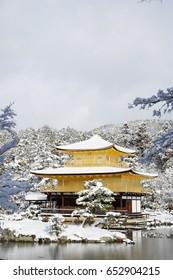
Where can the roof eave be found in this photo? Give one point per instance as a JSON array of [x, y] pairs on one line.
[[82, 150], [144, 175]]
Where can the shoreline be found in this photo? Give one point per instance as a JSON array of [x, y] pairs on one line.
[[19, 229]]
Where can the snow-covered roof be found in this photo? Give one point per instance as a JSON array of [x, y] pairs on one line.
[[123, 150], [80, 170], [93, 143], [144, 174], [35, 196], [89, 170]]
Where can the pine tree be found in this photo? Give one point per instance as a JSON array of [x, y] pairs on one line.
[[141, 139], [8, 186], [124, 136], [96, 198]]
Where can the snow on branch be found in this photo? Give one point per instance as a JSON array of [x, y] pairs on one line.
[[164, 140], [161, 143], [7, 123], [6, 119], [10, 144], [8, 185], [166, 98]]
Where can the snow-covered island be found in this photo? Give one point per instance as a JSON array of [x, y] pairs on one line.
[[19, 228], [16, 228]]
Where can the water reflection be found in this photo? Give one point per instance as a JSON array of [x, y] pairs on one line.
[[144, 248]]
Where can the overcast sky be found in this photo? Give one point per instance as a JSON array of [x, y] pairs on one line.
[[79, 63]]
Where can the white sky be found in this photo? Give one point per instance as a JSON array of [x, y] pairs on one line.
[[79, 63]]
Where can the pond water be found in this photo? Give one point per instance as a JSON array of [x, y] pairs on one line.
[[145, 248]]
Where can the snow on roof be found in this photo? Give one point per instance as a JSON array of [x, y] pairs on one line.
[[90, 170], [35, 196], [80, 170], [124, 150], [148, 175], [93, 143]]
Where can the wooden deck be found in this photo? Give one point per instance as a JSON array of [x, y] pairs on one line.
[[68, 212]]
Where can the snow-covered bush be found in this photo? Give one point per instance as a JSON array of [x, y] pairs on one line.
[[57, 225], [32, 212], [96, 198], [78, 212], [83, 213], [113, 219], [16, 217], [7, 235]]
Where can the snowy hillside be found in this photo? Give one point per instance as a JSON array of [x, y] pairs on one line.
[[35, 150]]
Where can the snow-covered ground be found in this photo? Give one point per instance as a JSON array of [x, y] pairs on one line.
[[163, 216], [71, 232]]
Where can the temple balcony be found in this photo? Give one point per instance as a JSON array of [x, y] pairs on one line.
[[118, 189], [88, 163]]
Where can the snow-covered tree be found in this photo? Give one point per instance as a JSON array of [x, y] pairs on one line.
[[96, 198], [8, 124], [57, 225], [8, 186], [140, 138], [165, 153], [124, 136], [164, 140]]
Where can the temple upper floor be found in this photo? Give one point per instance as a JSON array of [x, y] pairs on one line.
[[102, 158], [94, 151]]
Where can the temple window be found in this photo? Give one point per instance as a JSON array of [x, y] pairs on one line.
[[78, 161], [99, 160]]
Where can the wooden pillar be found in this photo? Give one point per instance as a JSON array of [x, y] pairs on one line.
[[129, 205], [50, 200], [120, 202], [62, 200], [51, 184]]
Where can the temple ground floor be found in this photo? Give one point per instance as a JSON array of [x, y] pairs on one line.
[[66, 202]]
